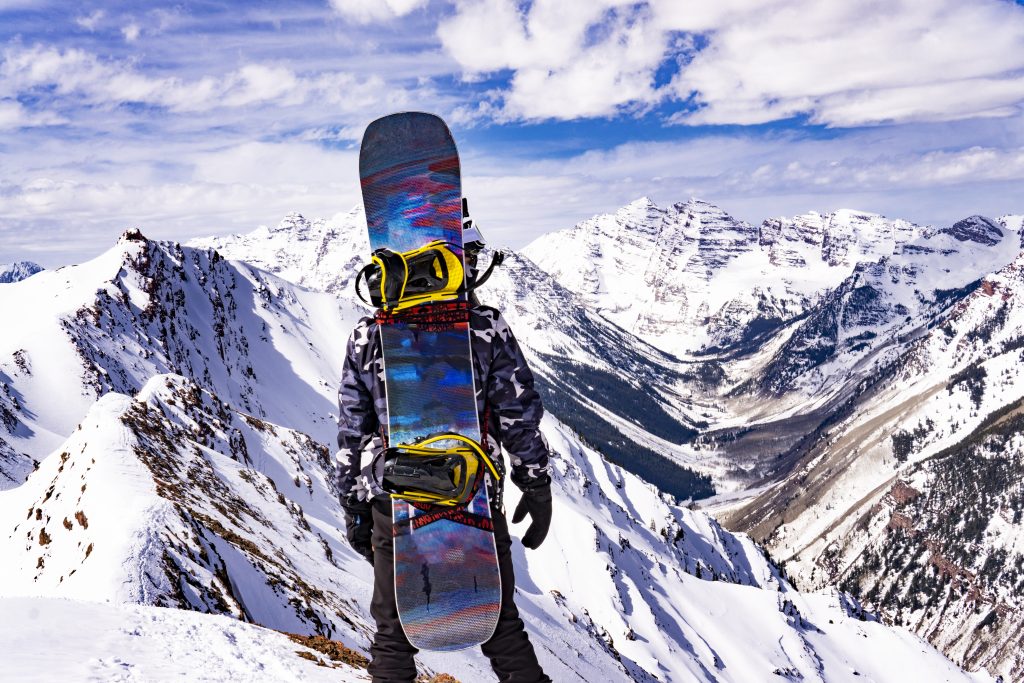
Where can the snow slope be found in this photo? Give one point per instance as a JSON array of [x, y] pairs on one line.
[[678, 598], [173, 499], [938, 431], [49, 640]]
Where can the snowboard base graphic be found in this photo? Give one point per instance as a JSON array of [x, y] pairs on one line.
[[447, 583]]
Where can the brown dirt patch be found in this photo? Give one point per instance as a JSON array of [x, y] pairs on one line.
[[334, 650]]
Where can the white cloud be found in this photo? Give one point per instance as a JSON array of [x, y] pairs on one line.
[[759, 166], [843, 64], [131, 32], [333, 134], [207, 161], [13, 116], [83, 78], [165, 19], [226, 190], [366, 11], [950, 100], [570, 59], [887, 170], [856, 63], [287, 164], [91, 21], [84, 194]]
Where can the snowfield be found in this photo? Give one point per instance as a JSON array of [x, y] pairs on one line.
[[48, 639]]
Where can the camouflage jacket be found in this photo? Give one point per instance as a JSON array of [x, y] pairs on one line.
[[504, 385]]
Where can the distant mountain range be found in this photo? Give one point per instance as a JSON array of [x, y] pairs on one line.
[[862, 376], [165, 430]]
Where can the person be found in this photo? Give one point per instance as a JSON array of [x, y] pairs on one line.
[[505, 394]]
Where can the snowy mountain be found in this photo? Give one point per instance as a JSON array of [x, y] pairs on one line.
[[185, 465], [692, 278], [893, 360], [316, 254], [936, 430], [145, 308], [13, 272]]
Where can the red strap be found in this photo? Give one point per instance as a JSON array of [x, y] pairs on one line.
[[457, 515], [440, 314]]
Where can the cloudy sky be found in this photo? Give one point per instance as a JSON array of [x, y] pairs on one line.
[[198, 118]]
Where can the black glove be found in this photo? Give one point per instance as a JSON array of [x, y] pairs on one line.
[[536, 501], [359, 527]]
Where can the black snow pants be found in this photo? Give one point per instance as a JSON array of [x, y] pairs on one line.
[[509, 649]]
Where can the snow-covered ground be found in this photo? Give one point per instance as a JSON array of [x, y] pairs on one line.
[[49, 640]]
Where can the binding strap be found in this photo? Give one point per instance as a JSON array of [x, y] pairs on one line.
[[496, 260]]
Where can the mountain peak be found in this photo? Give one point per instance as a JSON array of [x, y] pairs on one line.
[[641, 203], [318, 253], [695, 204], [297, 224], [853, 214], [709, 217], [977, 229], [638, 213], [17, 271], [132, 235]]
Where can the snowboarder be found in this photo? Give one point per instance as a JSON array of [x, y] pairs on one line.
[[510, 410]]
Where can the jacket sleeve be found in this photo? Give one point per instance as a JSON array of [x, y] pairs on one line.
[[516, 404], [357, 418]]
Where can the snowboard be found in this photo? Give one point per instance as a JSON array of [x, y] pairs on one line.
[[447, 582]]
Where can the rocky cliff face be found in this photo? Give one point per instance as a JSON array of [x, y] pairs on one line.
[[147, 308], [911, 497], [920, 354]]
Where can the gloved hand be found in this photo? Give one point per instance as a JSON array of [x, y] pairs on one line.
[[358, 527], [536, 501]]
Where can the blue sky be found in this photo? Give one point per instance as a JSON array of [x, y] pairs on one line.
[[198, 118]]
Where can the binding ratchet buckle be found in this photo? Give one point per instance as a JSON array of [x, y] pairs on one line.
[[426, 473], [397, 280]]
